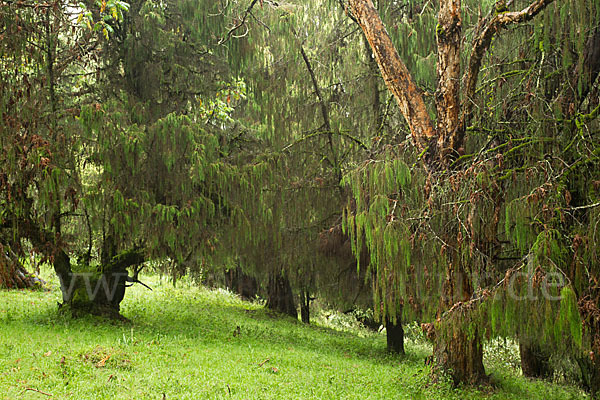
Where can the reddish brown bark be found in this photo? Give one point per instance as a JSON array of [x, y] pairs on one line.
[[462, 356], [394, 73], [458, 352], [12, 273], [448, 35]]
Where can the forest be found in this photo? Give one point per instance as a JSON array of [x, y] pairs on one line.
[[417, 163]]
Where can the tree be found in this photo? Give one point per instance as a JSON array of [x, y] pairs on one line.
[[40, 47], [120, 171], [453, 227], [305, 140]]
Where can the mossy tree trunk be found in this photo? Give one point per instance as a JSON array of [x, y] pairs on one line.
[[97, 293], [458, 348], [280, 296], [461, 355]]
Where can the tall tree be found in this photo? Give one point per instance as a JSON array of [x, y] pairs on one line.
[[414, 235], [298, 95], [121, 146]]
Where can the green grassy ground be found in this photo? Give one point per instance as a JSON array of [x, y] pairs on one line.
[[185, 344]]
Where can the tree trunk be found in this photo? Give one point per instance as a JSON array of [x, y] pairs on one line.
[[96, 293], [535, 362], [305, 300], [461, 356], [589, 363], [595, 377], [447, 96], [394, 73], [395, 335], [12, 273], [280, 296], [583, 76], [241, 283], [456, 351]]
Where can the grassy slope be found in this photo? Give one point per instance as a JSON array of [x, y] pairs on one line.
[[181, 343]]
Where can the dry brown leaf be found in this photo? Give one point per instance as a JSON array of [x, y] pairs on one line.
[[102, 362]]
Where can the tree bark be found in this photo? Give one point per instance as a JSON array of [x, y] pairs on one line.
[[305, 300], [447, 99], [589, 364], [13, 274], [461, 355], [241, 283], [96, 293], [583, 76], [535, 362], [280, 296], [395, 335], [394, 72]]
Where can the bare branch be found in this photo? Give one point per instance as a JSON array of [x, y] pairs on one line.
[[395, 74], [239, 24]]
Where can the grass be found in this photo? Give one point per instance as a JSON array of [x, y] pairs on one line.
[[194, 343]]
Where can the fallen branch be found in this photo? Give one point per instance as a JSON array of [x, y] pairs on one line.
[[264, 362], [37, 391]]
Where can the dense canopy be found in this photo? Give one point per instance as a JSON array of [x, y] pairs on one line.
[[436, 162]]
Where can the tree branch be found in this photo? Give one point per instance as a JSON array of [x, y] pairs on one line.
[[482, 42], [238, 25], [340, 133], [394, 72], [449, 36]]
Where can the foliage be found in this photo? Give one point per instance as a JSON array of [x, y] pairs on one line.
[[496, 219], [211, 134]]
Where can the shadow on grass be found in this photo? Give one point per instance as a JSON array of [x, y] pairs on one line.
[[203, 316], [207, 318]]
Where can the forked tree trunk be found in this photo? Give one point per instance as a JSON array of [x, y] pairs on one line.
[[459, 353], [96, 293], [535, 362], [280, 296], [395, 335]]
